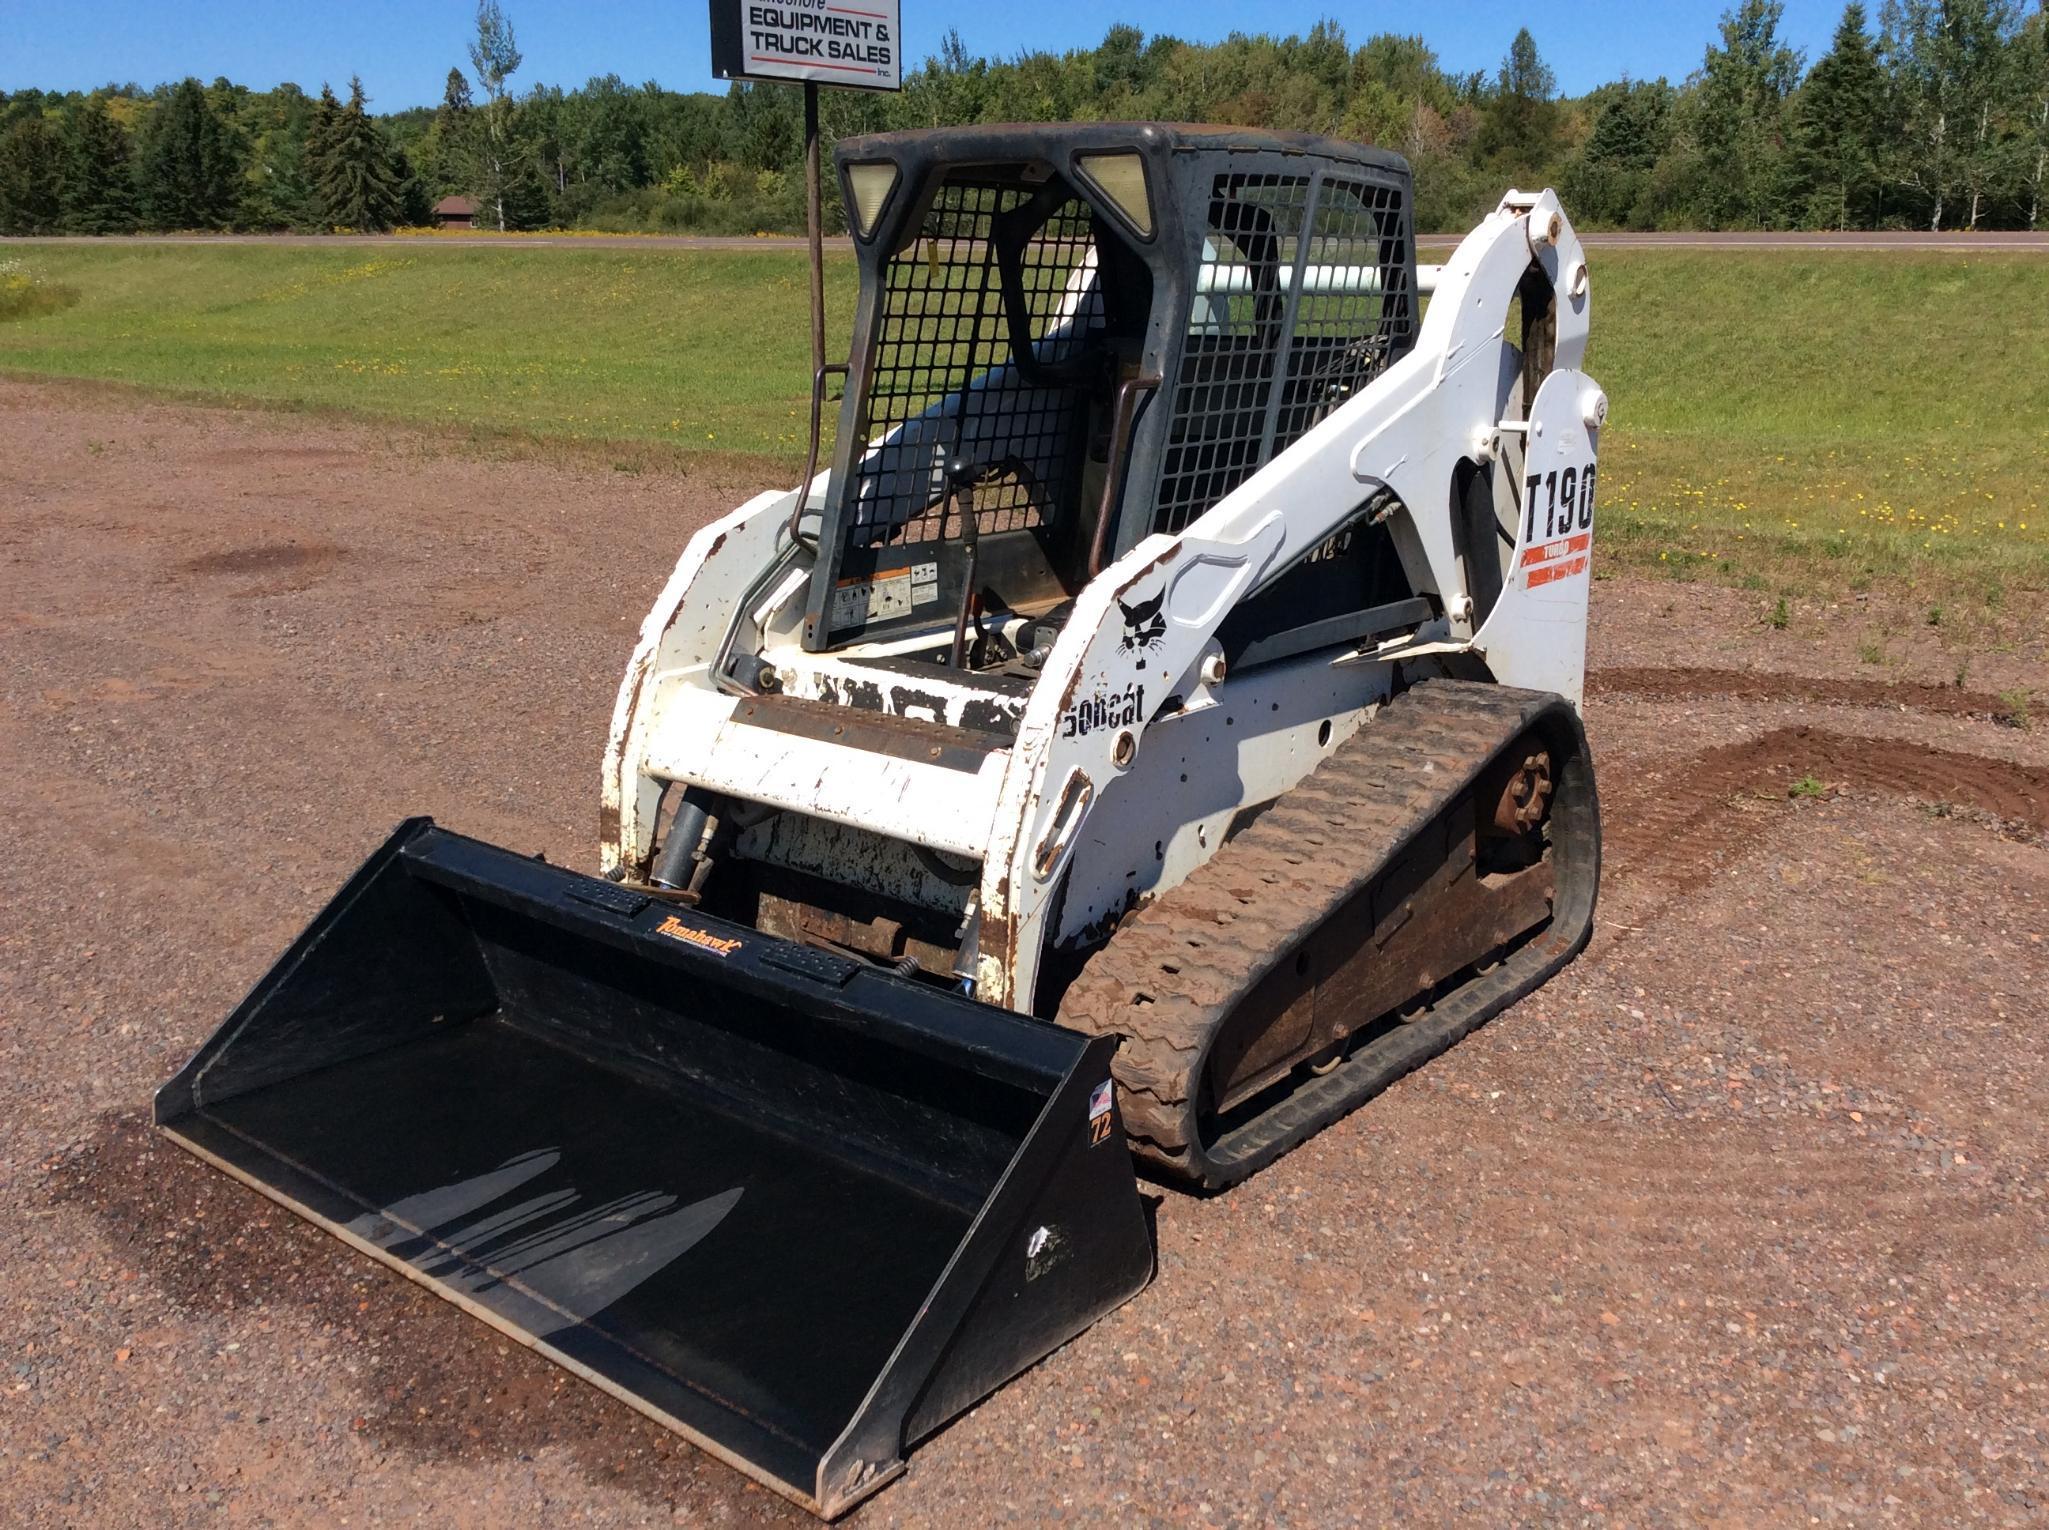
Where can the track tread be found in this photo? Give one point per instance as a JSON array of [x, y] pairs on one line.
[[1174, 970]]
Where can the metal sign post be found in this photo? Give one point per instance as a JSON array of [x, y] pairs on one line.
[[814, 227], [810, 42]]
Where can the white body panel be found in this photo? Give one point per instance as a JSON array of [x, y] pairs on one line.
[[702, 742], [1240, 743], [1536, 635], [678, 642]]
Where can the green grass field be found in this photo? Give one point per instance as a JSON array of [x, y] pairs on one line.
[[1829, 421], [1798, 422], [707, 351]]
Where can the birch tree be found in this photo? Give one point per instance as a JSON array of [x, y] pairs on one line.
[[495, 57]]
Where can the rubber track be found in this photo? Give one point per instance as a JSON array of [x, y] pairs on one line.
[[1173, 971]]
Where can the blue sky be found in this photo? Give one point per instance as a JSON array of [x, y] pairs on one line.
[[403, 48]]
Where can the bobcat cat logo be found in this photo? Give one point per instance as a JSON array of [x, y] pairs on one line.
[[1143, 625]]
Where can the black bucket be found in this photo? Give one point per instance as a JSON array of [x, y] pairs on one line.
[[797, 1208]]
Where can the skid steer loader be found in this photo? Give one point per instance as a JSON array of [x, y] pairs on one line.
[[1156, 725]]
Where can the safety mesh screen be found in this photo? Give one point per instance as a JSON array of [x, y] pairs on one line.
[[942, 380], [1355, 313], [1302, 298]]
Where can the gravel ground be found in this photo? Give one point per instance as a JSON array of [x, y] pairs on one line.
[[1741, 1220]]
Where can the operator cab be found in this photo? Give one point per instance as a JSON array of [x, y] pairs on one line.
[[1070, 337]]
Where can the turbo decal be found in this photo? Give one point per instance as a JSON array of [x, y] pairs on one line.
[[1555, 560]]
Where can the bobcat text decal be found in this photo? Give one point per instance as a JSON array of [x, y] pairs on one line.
[[1105, 709]]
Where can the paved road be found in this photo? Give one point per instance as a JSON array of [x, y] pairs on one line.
[[2005, 241]]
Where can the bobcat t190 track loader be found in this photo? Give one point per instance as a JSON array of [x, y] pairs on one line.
[[1172, 679]]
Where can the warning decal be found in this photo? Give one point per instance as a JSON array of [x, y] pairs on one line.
[[894, 592]]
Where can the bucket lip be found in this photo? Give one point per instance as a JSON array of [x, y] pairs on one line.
[[1006, 1047], [804, 1495], [1000, 1044]]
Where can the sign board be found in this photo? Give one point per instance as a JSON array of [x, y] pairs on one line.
[[849, 43]]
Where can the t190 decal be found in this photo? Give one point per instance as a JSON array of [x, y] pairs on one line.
[[1567, 495], [1562, 547]]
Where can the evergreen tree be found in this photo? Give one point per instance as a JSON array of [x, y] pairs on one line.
[[322, 124], [1519, 124], [188, 175], [1608, 181], [1837, 132], [525, 197], [1738, 120], [456, 101], [281, 193], [359, 189], [31, 177], [415, 202], [448, 157], [99, 174], [278, 190]]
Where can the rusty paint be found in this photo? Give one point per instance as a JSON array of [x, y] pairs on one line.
[[990, 714], [903, 697], [901, 737], [998, 949], [613, 788], [844, 691], [1077, 794], [638, 677]]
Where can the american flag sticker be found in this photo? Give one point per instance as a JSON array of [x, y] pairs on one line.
[[1099, 1114]]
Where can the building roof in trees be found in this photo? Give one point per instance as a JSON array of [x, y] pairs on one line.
[[455, 207]]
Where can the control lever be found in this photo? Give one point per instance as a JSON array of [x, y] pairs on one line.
[[961, 477]]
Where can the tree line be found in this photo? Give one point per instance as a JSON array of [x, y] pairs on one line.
[[1935, 115]]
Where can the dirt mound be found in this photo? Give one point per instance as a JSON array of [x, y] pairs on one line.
[[1649, 684], [1674, 823]]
